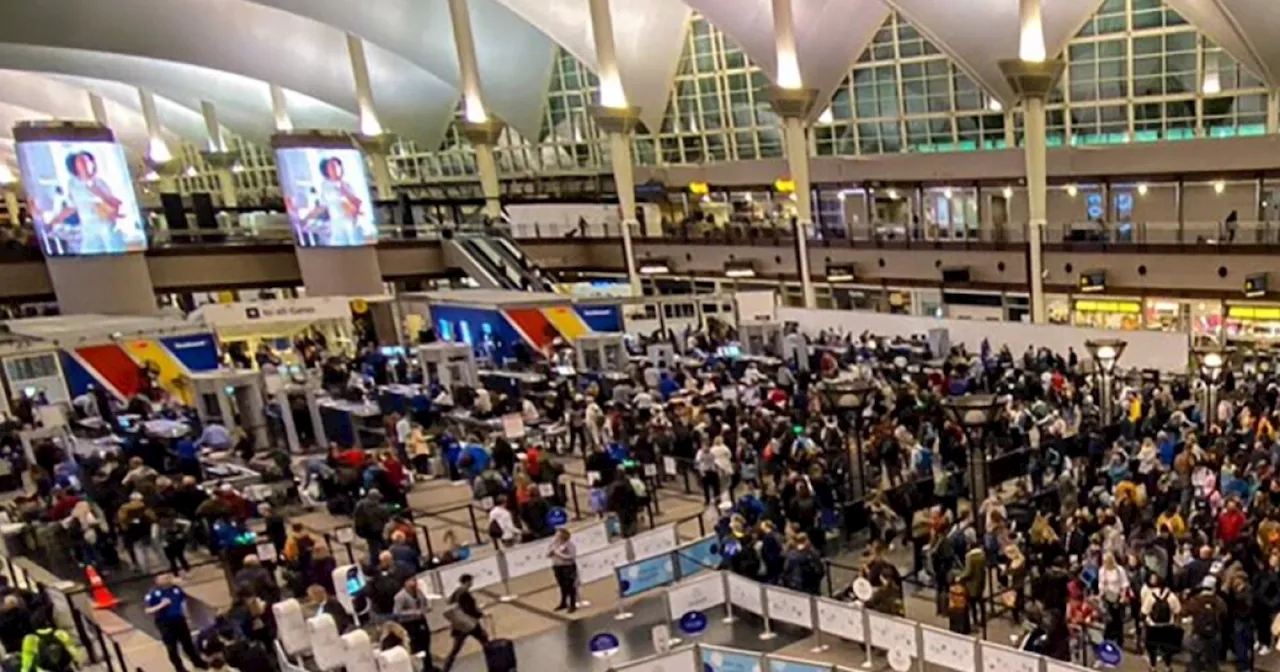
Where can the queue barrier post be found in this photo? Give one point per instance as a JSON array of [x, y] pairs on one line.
[[106, 651], [426, 536], [653, 495], [82, 633], [475, 527], [120, 654], [768, 633], [728, 603], [577, 508]]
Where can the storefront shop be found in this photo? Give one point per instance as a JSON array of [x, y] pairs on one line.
[[1109, 313], [1200, 317], [1251, 323]]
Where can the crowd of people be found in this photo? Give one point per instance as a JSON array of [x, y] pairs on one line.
[[1155, 525]]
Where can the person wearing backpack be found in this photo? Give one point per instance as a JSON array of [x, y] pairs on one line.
[[1160, 611], [49, 649], [1207, 612]]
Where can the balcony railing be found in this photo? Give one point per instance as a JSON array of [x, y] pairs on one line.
[[268, 228]]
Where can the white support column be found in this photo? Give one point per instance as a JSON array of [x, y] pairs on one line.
[[793, 102], [217, 156], [618, 119], [98, 108], [280, 109], [1035, 150], [1273, 112], [370, 127], [477, 126], [798, 164], [9, 184], [369, 124], [158, 157], [1033, 76]]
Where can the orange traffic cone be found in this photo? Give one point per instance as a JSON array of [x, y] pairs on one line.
[[102, 598]]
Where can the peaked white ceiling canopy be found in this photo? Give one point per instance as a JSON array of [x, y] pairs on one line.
[[1246, 29], [514, 57], [978, 34], [50, 97], [649, 36], [244, 104], [251, 40], [824, 51]]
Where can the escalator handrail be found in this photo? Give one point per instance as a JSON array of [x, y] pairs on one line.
[[502, 272]]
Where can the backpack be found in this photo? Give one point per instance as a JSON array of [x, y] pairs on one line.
[[1161, 612], [638, 487], [52, 655], [957, 598], [1204, 624]]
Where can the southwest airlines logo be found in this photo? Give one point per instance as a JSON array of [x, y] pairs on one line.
[[202, 342]]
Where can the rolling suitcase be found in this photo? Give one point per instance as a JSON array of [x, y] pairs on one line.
[[500, 655]]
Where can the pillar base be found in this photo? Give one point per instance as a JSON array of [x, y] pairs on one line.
[[620, 120], [792, 103], [220, 160], [376, 145], [1032, 80], [482, 132]]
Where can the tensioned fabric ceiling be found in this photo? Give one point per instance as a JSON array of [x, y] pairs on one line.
[[229, 52]]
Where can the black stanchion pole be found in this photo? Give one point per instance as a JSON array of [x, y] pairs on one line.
[[577, 508], [120, 655], [81, 632], [106, 652], [475, 527]]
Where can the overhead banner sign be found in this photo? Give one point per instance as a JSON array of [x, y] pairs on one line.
[[309, 309]]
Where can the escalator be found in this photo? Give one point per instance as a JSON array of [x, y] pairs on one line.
[[506, 245], [476, 256]]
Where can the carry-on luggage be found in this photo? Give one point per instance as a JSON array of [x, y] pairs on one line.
[[500, 655]]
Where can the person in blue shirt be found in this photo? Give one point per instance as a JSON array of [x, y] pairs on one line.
[[216, 437], [473, 460], [667, 386], [452, 451], [166, 603], [225, 533], [188, 457]]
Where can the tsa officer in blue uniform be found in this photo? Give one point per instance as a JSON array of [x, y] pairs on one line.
[[167, 602]]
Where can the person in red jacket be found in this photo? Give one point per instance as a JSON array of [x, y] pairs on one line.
[[1231, 521]]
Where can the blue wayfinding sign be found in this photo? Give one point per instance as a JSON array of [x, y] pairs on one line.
[[557, 517], [603, 644], [693, 622], [1108, 653]]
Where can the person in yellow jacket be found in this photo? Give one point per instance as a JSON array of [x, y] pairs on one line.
[[50, 649], [1172, 519]]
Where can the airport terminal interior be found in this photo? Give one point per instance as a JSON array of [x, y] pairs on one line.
[[661, 336]]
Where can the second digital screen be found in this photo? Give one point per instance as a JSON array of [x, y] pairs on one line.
[[326, 191]]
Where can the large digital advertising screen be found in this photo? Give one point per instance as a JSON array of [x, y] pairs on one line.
[[326, 192], [80, 194]]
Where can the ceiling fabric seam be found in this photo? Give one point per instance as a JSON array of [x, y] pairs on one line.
[[998, 91]]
